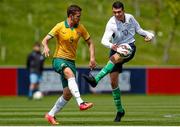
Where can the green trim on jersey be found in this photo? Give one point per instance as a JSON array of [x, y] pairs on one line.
[[67, 25]]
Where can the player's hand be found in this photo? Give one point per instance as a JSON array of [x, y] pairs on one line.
[[92, 64], [114, 47], [149, 37], [46, 51]]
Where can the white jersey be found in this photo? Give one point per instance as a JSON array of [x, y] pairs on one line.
[[117, 32]]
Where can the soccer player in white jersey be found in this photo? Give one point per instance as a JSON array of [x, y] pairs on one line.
[[120, 29]]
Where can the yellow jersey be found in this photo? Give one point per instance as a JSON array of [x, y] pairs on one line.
[[67, 39]]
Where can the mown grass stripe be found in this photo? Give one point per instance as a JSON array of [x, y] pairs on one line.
[[140, 110]]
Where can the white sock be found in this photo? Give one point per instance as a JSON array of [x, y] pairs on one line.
[[73, 87], [60, 103]]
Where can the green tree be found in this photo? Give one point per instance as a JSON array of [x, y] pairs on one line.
[[174, 9]]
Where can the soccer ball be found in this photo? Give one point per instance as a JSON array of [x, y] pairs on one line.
[[37, 95], [124, 50]]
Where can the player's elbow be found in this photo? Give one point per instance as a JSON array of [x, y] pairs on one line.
[[103, 42]]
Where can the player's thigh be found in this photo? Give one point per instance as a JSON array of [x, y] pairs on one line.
[[68, 73], [33, 78], [116, 58], [59, 65]]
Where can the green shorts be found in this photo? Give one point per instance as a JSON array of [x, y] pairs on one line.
[[60, 64]]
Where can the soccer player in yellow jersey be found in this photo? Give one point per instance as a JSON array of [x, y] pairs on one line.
[[68, 33]]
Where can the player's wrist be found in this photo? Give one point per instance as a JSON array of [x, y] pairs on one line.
[[110, 45], [149, 36], [92, 59]]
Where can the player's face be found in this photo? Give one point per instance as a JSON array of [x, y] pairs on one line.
[[37, 48], [118, 13], [76, 18]]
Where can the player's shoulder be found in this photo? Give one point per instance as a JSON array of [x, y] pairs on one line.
[[60, 23], [81, 26], [112, 20], [127, 15], [32, 54]]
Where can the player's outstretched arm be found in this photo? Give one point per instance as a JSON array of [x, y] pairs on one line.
[[45, 45], [92, 63], [148, 36]]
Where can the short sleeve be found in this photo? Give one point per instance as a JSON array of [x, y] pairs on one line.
[[85, 33], [54, 30]]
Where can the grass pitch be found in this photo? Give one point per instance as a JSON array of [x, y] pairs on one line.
[[140, 110]]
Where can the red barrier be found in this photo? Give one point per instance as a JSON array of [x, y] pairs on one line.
[[158, 81], [8, 82], [163, 81]]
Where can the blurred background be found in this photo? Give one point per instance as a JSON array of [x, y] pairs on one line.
[[22, 23]]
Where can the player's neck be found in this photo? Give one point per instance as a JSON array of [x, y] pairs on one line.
[[123, 20], [70, 22]]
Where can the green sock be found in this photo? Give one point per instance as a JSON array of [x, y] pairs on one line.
[[108, 68], [117, 99]]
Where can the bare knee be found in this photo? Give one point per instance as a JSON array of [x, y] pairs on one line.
[[68, 73], [116, 58]]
